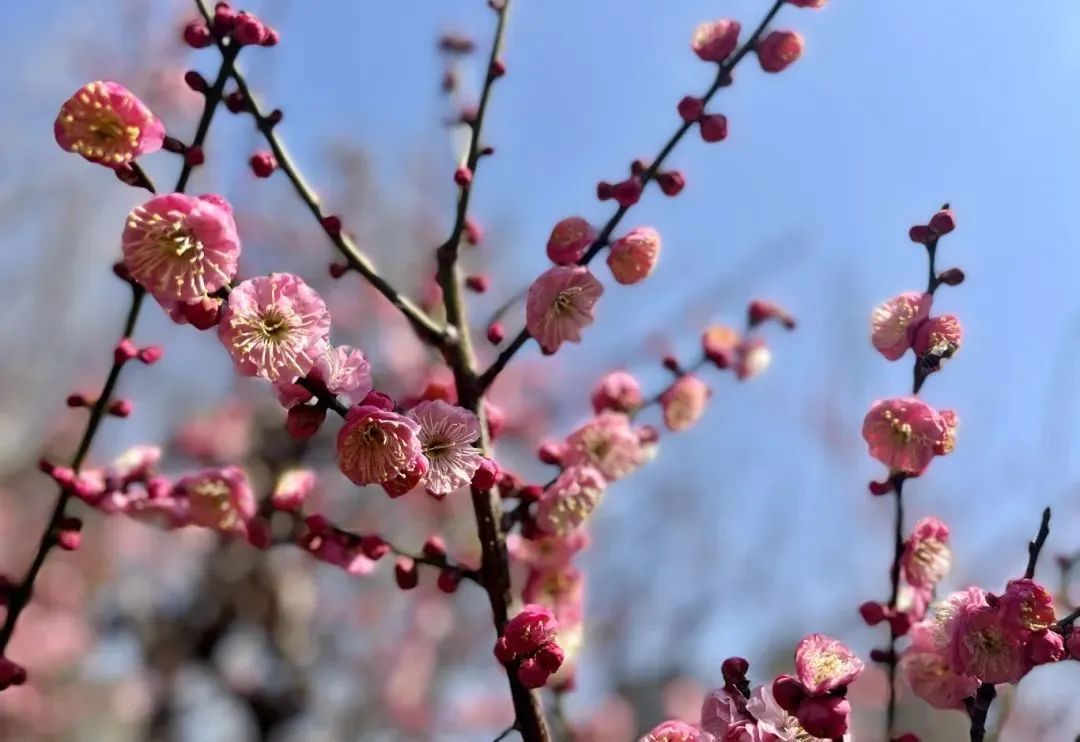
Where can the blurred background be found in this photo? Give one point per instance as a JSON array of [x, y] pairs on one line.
[[747, 532]]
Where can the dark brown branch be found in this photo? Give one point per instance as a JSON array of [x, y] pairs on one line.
[[1035, 546]]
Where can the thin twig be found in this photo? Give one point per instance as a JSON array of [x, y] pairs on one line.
[[20, 596], [1035, 546], [424, 325], [723, 75]]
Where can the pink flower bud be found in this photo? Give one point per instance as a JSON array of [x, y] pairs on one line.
[[734, 670], [633, 257], [788, 692], [531, 493], [922, 234], [77, 400], [406, 573], [762, 311], [951, 277], [259, 533], [197, 35], [474, 233], [10, 674], [810, 4], [224, 18], [303, 421], [263, 164], [1046, 647], [332, 225], [872, 612], [753, 358], [434, 547], [271, 38], [550, 656], [691, 109], [378, 399], [529, 629], [779, 49], [69, 536], [248, 29], [532, 674], [194, 156], [551, 452], [900, 623], [292, 489], [569, 240], [478, 283], [719, 344], [881, 488], [671, 183], [202, 314], [715, 41], [463, 176], [684, 402], [124, 352], [487, 474], [449, 580], [120, 407], [151, 354], [374, 547], [943, 222], [406, 481], [628, 192], [603, 190], [503, 653], [495, 333], [713, 127], [195, 81], [825, 716], [618, 391], [235, 102], [1073, 644]]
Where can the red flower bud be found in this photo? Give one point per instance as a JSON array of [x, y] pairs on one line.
[[120, 408], [487, 474], [495, 333], [303, 421], [449, 580], [194, 156], [332, 225], [263, 164], [943, 222], [671, 183], [406, 573], [922, 234], [434, 547], [713, 127], [463, 176], [195, 81], [691, 109], [628, 192], [477, 283], [532, 674], [197, 35], [872, 612], [788, 692]]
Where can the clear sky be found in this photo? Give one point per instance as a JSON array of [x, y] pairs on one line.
[[895, 108]]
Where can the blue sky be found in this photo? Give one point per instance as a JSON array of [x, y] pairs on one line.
[[895, 108]]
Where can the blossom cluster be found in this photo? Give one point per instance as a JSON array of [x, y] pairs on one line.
[[810, 705]]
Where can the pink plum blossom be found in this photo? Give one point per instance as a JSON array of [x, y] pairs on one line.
[[219, 498], [376, 445], [779, 49], [570, 500], [938, 335], [342, 370], [105, 123], [181, 248], [448, 435], [618, 391], [720, 711], [533, 626], [714, 41], [633, 257], [906, 433], [559, 304], [1026, 607], [569, 240], [752, 358], [684, 402], [275, 327], [676, 731], [608, 443], [550, 550], [894, 322], [927, 557], [561, 588], [980, 646], [824, 664], [931, 678], [292, 489]]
